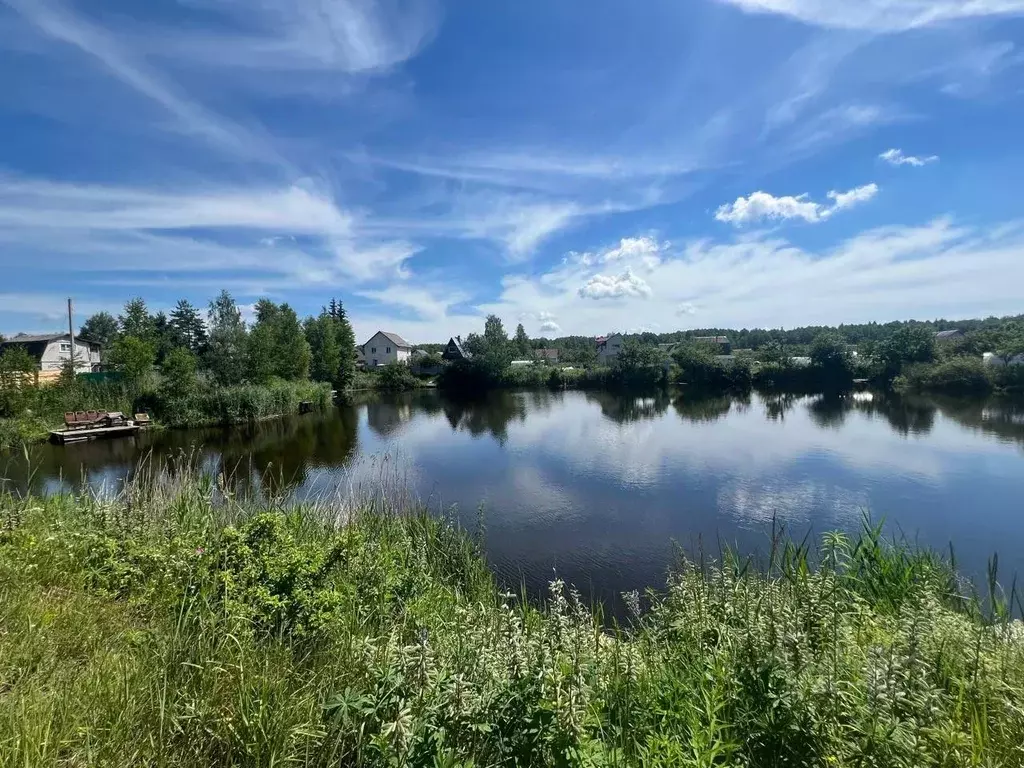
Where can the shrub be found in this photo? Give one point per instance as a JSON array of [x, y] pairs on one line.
[[397, 377], [954, 376]]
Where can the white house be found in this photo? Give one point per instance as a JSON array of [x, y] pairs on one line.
[[53, 350], [609, 347], [384, 348], [992, 359]]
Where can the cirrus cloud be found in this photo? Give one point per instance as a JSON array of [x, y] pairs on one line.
[[879, 15]]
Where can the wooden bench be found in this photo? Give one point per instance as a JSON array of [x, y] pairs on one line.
[[83, 419]]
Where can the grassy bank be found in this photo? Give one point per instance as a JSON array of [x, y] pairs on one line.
[[206, 405], [177, 625]]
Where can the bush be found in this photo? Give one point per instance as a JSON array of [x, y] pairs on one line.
[[698, 366], [397, 377], [954, 376]]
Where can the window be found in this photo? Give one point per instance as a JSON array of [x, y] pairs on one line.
[[389, 350], [65, 346], [373, 351]]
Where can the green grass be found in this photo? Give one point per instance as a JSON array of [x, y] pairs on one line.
[[178, 625]]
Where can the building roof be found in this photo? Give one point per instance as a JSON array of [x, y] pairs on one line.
[[950, 334], [394, 338], [547, 354], [713, 339], [35, 338], [457, 342]]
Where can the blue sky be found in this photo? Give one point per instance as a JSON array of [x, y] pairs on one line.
[[579, 168]]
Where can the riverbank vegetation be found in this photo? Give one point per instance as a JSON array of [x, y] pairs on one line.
[[186, 371], [180, 625]]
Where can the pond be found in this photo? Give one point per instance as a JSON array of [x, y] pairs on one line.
[[602, 490]]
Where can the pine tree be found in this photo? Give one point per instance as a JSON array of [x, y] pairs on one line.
[[346, 345], [227, 347], [189, 327], [136, 321], [522, 343]]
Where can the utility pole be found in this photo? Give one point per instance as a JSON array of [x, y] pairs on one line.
[[71, 333]]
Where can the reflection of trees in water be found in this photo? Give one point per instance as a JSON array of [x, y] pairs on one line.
[[490, 414], [1003, 417], [776, 406], [625, 408], [702, 409], [275, 457], [906, 415], [829, 411]]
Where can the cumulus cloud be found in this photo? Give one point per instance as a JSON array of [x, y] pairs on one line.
[[879, 15], [550, 326], [762, 206], [854, 197], [615, 287], [686, 308], [643, 250], [896, 157]]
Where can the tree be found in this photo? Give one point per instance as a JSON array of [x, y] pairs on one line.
[[16, 369], [292, 351], [189, 327], [522, 343], [165, 337], [136, 320], [277, 344], [832, 361], [179, 374], [494, 332], [324, 350], [226, 351], [101, 328], [346, 344], [907, 344], [133, 357]]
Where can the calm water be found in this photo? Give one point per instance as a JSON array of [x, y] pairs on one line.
[[597, 487]]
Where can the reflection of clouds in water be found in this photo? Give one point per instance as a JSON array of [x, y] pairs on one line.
[[641, 452], [754, 503]]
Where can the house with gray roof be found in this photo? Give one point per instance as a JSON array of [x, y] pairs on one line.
[[53, 350], [385, 347]]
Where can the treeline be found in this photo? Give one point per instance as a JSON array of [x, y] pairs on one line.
[[223, 346], [187, 370], [980, 335]]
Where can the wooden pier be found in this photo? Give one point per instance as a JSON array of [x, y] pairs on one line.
[[65, 436]]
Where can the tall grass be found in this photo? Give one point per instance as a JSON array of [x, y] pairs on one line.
[[178, 624]]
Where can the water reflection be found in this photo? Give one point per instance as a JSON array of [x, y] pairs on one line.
[[595, 487]]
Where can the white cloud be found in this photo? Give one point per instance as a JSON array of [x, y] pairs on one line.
[[550, 326], [300, 35], [762, 205], [615, 287], [843, 200], [880, 15], [762, 280], [686, 308], [60, 24], [645, 251], [100, 228], [896, 157]]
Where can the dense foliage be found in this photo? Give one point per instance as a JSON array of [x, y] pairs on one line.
[[172, 626], [187, 372]]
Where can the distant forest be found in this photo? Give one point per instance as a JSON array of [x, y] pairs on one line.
[[795, 338]]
